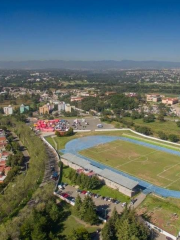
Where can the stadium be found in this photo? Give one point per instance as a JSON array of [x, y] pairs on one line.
[[154, 166]]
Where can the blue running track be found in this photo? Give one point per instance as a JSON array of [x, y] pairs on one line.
[[79, 144]]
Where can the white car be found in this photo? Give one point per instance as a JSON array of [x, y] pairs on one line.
[[124, 204]]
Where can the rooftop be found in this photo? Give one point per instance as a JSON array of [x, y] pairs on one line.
[[77, 160], [108, 174], [119, 179]]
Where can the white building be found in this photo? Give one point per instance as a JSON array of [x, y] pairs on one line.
[[61, 106], [67, 108], [8, 110]]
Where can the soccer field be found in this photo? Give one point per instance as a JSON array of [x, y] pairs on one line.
[[155, 166]]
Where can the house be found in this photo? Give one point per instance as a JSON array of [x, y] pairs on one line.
[[3, 139], [170, 101], [112, 179], [8, 110], [24, 108], [153, 98]]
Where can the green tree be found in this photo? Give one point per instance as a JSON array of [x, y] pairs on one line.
[[88, 211], [161, 117], [109, 231], [149, 118], [173, 138], [178, 123], [79, 234], [78, 205], [162, 135]]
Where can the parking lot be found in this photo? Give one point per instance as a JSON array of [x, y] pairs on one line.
[[92, 123], [104, 207]]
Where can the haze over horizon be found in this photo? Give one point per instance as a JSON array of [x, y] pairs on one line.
[[90, 30]]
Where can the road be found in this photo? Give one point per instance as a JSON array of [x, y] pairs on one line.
[[51, 161]]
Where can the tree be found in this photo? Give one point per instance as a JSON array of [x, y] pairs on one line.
[[178, 123], [144, 130], [162, 135], [54, 212], [149, 118], [173, 138], [161, 117], [109, 230], [88, 211], [79, 234], [126, 226], [78, 205]]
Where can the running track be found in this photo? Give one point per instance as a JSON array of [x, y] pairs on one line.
[[79, 144]]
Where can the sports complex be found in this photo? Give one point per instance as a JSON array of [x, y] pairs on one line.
[[155, 166]]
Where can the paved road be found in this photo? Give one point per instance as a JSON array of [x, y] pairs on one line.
[[51, 161]]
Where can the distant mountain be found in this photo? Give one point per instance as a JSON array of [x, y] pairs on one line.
[[88, 65]]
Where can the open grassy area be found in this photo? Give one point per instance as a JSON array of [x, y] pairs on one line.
[[164, 213], [157, 143], [157, 167], [6, 103], [71, 223], [112, 193], [50, 140], [168, 127]]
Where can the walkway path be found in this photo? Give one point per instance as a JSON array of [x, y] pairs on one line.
[[55, 143], [23, 149], [140, 198]]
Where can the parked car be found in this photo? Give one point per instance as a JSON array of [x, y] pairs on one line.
[[99, 125], [124, 204], [117, 202], [79, 191], [84, 192], [96, 196], [60, 187]]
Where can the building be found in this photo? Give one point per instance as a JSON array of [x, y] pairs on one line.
[[44, 109], [153, 98], [170, 101], [76, 99], [61, 106], [110, 93], [114, 180], [67, 108], [24, 108], [8, 110], [131, 94]]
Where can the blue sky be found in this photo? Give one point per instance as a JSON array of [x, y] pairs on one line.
[[90, 30]]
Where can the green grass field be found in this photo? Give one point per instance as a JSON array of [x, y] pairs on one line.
[[157, 167], [168, 127], [164, 213]]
